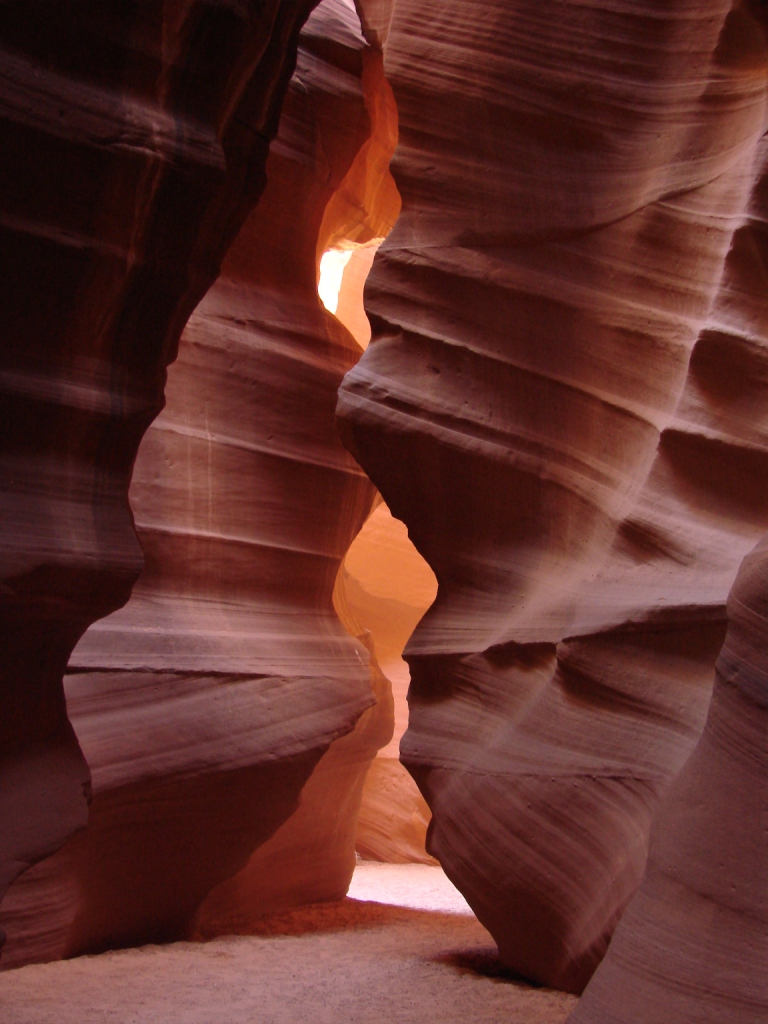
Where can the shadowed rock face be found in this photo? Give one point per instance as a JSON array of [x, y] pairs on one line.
[[555, 401], [134, 139], [693, 944], [204, 705]]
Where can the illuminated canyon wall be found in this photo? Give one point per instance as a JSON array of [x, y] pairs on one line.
[[564, 401], [383, 589]]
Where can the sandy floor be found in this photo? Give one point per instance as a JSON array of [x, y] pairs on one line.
[[405, 949]]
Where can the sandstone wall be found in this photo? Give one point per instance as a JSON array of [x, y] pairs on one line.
[[563, 401], [383, 589], [693, 943], [555, 402], [134, 139], [205, 704]]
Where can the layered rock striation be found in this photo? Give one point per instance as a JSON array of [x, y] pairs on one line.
[[693, 943], [560, 403], [134, 140], [563, 401], [205, 704]]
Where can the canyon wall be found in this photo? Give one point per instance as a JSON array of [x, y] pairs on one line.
[[134, 140], [383, 589], [563, 401], [205, 704], [693, 943]]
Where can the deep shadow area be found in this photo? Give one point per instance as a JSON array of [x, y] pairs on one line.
[[484, 964]]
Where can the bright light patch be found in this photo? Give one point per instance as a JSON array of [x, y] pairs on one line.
[[332, 266]]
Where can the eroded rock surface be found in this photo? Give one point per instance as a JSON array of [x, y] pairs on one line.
[[383, 589], [560, 401], [564, 401], [134, 139], [205, 704], [693, 944]]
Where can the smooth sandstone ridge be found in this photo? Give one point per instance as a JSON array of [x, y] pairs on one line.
[[563, 400], [693, 943], [134, 139], [206, 706]]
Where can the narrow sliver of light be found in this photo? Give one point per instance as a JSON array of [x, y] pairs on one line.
[[332, 266]]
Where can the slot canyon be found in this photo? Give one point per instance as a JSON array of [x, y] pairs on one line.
[[384, 489]]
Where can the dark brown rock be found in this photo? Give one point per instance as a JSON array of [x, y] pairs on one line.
[[134, 141]]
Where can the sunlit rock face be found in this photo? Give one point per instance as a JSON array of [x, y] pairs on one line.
[[693, 944], [205, 704], [383, 589], [134, 138], [564, 401]]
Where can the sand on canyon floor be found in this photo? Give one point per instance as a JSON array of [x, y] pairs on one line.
[[402, 948]]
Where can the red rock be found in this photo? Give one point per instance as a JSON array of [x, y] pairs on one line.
[[134, 139], [571, 182], [564, 401], [383, 589], [204, 705], [693, 944]]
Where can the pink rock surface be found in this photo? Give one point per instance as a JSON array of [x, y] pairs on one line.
[[564, 401], [204, 705], [583, 487], [693, 944], [134, 140]]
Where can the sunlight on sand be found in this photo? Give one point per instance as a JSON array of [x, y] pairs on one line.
[[332, 266], [417, 886]]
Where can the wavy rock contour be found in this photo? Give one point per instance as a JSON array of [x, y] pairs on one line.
[[693, 944], [205, 704], [383, 588], [572, 181], [134, 139]]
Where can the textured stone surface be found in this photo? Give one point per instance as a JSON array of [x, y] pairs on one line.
[[206, 702], [383, 588], [134, 139], [693, 944], [564, 401], [354, 960], [584, 488]]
